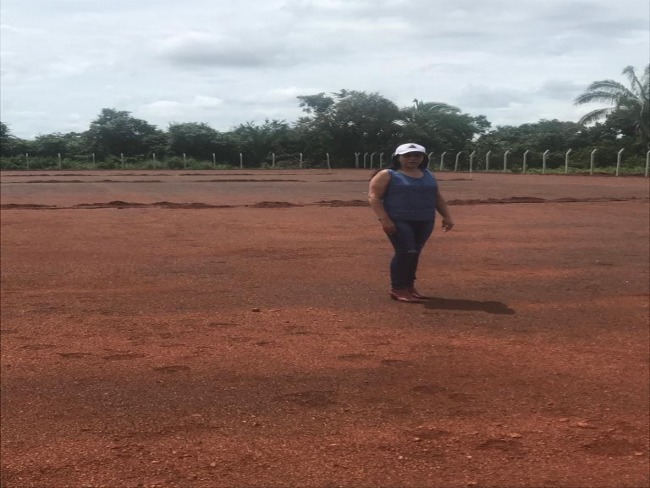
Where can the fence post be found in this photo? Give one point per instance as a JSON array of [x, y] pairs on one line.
[[300, 163], [381, 160], [566, 161], [618, 160], [59, 156], [505, 160], [471, 161], [122, 159], [214, 160], [328, 161], [184, 161], [457, 159], [525, 161], [27, 160], [241, 161], [272, 160], [364, 160], [442, 160], [487, 161], [592, 162], [371, 158], [356, 160], [647, 163], [544, 161], [153, 156], [429, 156]]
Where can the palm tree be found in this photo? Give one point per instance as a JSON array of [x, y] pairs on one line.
[[439, 126], [633, 101]]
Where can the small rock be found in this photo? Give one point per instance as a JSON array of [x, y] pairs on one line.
[[585, 425], [637, 453], [400, 457], [256, 310], [515, 436], [563, 419], [213, 465], [416, 439]]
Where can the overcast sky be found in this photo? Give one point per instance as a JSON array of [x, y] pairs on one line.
[[229, 62]]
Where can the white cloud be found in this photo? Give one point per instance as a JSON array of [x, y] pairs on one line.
[[479, 97], [161, 112], [163, 108], [201, 101], [208, 49]]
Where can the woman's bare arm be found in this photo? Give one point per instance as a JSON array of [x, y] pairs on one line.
[[376, 192], [443, 210]]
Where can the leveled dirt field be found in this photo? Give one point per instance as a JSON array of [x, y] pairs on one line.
[[233, 329]]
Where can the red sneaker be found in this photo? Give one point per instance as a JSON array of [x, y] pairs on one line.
[[403, 296], [416, 294]]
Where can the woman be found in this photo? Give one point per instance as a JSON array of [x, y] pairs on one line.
[[405, 199]]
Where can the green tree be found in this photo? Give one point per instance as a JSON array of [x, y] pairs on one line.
[[7, 141], [259, 141], [317, 104], [226, 148], [347, 122], [554, 136], [52, 144], [193, 138], [114, 132], [11, 145], [439, 126], [629, 104]]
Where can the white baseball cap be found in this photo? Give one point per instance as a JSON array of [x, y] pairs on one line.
[[408, 148]]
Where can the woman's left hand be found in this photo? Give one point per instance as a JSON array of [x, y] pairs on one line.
[[447, 224]]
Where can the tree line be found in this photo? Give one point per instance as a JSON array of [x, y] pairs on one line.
[[344, 124]]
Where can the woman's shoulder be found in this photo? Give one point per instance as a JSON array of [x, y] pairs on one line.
[[381, 176], [383, 173]]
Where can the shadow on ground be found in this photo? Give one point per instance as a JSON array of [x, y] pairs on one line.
[[437, 303]]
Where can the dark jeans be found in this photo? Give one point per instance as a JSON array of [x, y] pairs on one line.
[[408, 241]]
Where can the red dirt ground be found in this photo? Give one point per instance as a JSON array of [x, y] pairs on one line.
[[168, 329]]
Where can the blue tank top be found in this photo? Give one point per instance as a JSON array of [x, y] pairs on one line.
[[409, 198]]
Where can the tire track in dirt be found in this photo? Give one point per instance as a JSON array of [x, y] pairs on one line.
[[171, 173], [323, 203], [157, 181]]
